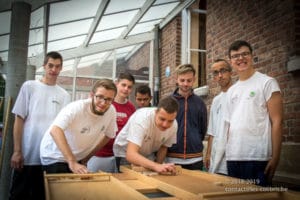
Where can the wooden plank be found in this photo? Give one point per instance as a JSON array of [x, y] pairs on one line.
[[87, 186], [162, 186], [243, 195], [208, 186], [4, 132], [207, 182], [138, 185], [135, 185]]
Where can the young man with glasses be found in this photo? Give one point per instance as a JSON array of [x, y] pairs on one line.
[[79, 130], [104, 159], [215, 160], [254, 113], [38, 103]]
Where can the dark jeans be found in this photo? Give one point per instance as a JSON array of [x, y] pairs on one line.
[[59, 167], [27, 184], [194, 166], [253, 171]]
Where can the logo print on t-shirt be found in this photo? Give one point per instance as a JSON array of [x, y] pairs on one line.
[[252, 94], [147, 138], [85, 130]]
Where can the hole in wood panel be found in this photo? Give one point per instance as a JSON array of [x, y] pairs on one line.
[[154, 193]]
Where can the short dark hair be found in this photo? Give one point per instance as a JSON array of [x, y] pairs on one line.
[[223, 60], [54, 55], [106, 83], [169, 104], [184, 68], [143, 89], [127, 76], [238, 44]]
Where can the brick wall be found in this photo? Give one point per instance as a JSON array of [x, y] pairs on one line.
[[169, 54], [140, 59], [273, 30], [270, 28]]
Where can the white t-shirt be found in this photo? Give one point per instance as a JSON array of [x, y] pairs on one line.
[[142, 131], [83, 130], [250, 127], [216, 129], [38, 104]]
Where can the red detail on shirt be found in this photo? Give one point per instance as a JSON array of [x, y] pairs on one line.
[[124, 111]]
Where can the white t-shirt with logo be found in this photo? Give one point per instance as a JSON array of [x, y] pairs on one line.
[[250, 126], [82, 128], [38, 104], [142, 131]]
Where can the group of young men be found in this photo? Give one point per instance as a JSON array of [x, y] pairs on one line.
[[106, 130]]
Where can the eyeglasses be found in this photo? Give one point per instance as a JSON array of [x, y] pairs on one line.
[[102, 99], [237, 56], [221, 71]]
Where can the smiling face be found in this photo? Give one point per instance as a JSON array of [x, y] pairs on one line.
[[101, 100], [242, 60]]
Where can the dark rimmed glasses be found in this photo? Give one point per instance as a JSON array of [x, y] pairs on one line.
[[221, 71], [102, 99], [238, 55]]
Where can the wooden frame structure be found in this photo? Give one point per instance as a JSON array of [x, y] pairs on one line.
[[131, 184]]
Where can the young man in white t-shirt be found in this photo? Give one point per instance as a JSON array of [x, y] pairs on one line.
[[79, 130], [215, 160], [145, 138], [104, 159], [254, 112], [37, 104]]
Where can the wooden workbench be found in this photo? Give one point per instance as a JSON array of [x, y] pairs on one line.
[[131, 184]]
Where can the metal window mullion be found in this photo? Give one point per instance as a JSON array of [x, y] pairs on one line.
[[188, 35]]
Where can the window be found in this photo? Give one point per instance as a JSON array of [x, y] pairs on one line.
[[194, 39]]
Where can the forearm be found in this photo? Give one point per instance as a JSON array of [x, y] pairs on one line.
[[137, 159], [209, 144], [17, 134], [276, 140], [275, 109], [161, 154]]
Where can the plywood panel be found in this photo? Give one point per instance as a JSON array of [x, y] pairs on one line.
[[210, 186], [87, 187], [136, 185], [202, 182], [159, 185]]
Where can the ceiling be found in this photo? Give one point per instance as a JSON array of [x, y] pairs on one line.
[[89, 31]]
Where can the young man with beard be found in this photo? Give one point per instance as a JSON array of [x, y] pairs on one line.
[[192, 122], [38, 103], [104, 159], [254, 113], [215, 160], [79, 130]]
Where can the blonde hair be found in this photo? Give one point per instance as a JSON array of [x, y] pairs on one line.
[[185, 68]]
